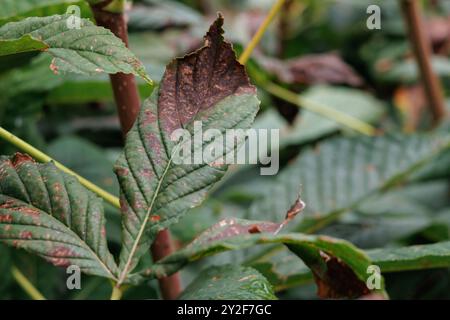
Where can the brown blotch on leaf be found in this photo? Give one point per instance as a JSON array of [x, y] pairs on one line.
[[121, 171], [59, 256], [28, 211], [254, 229], [154, 218], [199, 80], [20, 158], [338, 280], [12, 205], [229, 228], [53, 67], [5, 218], [26, 235]]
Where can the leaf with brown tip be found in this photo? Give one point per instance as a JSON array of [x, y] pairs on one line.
[[208, 85]]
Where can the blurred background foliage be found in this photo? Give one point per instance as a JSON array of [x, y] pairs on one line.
[[321, 49]]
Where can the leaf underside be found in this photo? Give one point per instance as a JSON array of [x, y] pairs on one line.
[[208, 85], [229, 282], [339, 173]]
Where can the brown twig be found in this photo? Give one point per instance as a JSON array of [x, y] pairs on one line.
[[422, 51], [124, 86], [128, 104], [163, 246]]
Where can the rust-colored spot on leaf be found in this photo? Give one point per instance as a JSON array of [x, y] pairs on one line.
[[121, 171], [27, 235], [59, 256], [53, 67], [5, 218], [254, 229], [154, 218], [7, 204], [20, 158], [149, 118]]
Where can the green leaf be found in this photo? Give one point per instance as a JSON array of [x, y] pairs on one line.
[[49, 213], [161, 14], [84, 89], [93, 165], [25, 43], [310, 126], [417, 257], [407, 72], [22, 81], [392, 215], [340, 269], [208, 85], [339, 173], [89, 50], [283, 269], [15, 10], [229, 282], [284, 272]]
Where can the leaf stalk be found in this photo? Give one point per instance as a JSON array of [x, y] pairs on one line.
[[320, 109]]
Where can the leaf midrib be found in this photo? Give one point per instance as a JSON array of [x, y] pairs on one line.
[[124, 272]]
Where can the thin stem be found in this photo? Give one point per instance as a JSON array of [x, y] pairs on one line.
[[262, 28], [323, 110], [42, 157], [422, 51], [116, 293], [26, 285]]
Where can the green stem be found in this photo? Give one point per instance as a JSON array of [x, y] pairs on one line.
[[42, 157], [26, 285], [116, 293], [323, 110]]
